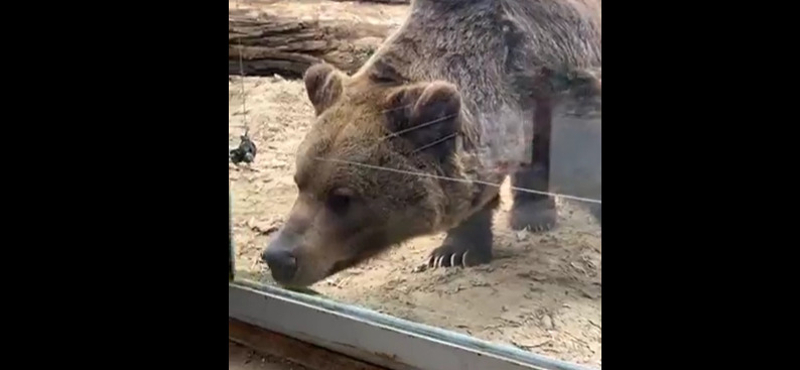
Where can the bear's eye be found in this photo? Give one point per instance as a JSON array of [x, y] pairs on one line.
[[339, 200]]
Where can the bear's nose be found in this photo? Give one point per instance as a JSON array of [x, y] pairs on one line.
[[282, 263]]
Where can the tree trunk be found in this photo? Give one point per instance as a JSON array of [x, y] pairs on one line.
[[270, 44]]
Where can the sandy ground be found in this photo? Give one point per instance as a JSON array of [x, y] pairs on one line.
[[542, 292]]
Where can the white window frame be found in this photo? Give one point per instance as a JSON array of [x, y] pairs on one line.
[[373, 337]]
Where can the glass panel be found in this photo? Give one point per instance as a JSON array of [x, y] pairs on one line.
[[540, 290]]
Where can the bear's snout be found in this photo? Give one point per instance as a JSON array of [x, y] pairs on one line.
[[281, 260]]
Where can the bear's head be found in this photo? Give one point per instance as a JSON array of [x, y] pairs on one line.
[[369, 173]]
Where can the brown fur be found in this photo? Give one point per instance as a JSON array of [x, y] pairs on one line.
[[455, 75]]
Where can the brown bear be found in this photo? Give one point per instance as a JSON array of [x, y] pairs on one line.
[[411, 143]]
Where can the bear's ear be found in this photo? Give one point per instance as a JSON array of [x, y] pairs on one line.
[[323, 86], [427, 115]]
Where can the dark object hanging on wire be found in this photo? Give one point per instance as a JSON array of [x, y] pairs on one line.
[[246, 152]]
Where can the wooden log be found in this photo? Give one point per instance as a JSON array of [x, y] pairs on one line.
[[270, 44]]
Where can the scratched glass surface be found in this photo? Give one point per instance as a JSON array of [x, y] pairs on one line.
[[539, 287]]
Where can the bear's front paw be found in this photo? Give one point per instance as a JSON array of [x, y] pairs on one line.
[[464, 254]]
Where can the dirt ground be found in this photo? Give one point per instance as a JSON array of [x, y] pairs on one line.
[[242, 358], [542, 292]]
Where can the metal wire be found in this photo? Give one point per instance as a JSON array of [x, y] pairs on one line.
[[422, 174]]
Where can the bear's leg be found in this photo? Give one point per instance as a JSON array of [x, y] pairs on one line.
[[469, 243], [536, 212]]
